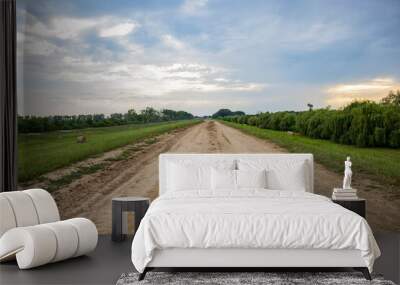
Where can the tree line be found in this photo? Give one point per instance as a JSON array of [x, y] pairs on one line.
[[361, 123], [35, 124], [227, 112]]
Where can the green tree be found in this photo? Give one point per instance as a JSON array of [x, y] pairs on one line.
[[392, 98]]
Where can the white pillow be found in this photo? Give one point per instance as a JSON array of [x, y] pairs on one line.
[[251, 178], [184, 178], [223, 179], [293, 179], [281, 174], [187, 174]]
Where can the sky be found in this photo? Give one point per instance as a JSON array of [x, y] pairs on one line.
[[101, 56]]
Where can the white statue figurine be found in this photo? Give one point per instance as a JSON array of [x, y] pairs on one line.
[[347, 174]]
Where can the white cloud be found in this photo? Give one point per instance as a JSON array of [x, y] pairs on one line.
[[60, 27], [172, 42], [151, 79], [374, 89], [118, 30], [172, 72], [311, 37], [221, 79], [69, 28], [129, 45], [40, 47], [38, 35], [193, 6], [34, 46], [274, 35]]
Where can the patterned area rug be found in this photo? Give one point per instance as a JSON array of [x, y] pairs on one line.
[[228, 278]]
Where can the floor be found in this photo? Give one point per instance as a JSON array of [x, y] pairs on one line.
[[110, 260], [103, 266]]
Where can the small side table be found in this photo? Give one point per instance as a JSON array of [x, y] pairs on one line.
[[358, 206], [139, 205]]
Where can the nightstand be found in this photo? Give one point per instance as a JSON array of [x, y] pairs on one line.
[[121, 206], [358, 206]]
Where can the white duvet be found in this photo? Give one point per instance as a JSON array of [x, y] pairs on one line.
[[250, 219]]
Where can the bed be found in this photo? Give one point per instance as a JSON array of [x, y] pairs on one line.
[[246, 211]]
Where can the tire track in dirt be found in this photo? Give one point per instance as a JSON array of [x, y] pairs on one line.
[[91, 195]]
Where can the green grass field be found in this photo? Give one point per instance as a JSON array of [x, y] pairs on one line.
[[44, 152], [382, 163]]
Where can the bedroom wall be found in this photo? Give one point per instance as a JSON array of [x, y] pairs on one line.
[[105, 86]]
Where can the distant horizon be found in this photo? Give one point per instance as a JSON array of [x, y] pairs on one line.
[[160, 109], [210, 114], [109, 114], [204, 115], [88, 57]]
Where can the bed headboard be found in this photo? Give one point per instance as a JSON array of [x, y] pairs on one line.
[[209, 157]]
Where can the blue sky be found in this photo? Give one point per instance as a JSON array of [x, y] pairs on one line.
[[100, 56]]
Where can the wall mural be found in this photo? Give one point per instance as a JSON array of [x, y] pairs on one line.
[[104, 87]]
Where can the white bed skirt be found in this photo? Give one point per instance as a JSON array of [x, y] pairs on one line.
[[190, 257]]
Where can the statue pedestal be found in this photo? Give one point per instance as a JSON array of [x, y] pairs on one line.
[[350, 190], [344, 194]]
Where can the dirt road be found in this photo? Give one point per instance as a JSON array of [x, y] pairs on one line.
[[91, 195]]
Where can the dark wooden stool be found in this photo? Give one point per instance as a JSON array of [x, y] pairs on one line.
[[138, 205]]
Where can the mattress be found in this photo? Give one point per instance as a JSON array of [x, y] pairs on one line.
[[250, 219]]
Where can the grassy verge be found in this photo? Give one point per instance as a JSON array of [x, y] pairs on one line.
[[42, 153], [382, 163], [76, 174]]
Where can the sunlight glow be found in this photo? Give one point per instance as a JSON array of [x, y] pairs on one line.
[[373, 90]]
